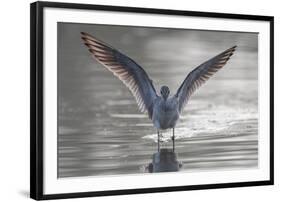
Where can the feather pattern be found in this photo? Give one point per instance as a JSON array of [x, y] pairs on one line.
[[127, 70], [200, 75]]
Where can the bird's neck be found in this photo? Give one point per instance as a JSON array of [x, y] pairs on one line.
[[164, 98], [164, 104]]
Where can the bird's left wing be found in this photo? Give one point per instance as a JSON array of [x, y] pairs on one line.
[[200, 75], [127, 70]]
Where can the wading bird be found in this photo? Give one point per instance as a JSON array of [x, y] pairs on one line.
[[163, 110]]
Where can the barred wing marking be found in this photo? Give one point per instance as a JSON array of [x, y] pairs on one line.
[[200, 75], [127, 70]]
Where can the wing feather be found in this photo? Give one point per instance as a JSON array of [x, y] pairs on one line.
[[200, 75], [127, 70]]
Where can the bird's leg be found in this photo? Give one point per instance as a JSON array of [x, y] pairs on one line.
[[173, 138], [158, 141]]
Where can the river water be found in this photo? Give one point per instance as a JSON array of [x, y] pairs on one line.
[[101, 131]]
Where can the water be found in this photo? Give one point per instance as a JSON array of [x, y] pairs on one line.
[[101, 131]]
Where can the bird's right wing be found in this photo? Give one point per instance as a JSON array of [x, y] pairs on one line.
[[200, 75], [127, 70]]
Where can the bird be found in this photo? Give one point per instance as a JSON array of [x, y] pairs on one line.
[[163, 109]]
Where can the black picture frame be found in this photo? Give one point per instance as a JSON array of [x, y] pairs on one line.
[[37, 98]]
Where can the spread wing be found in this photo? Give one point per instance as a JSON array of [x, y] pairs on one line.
[[200, 75], [127, 70]]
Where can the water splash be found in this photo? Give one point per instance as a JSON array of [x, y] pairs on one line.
[[215, 120]]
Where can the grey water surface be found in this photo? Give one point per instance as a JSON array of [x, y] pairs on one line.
[[101, 131]]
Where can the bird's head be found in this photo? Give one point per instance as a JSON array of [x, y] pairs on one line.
[[165, 91]]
